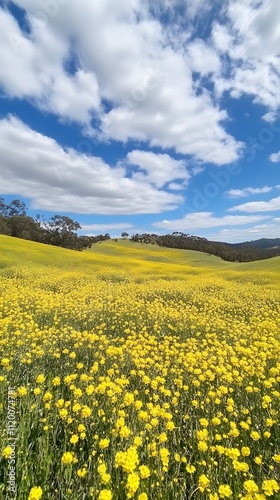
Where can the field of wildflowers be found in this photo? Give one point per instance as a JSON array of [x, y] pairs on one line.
[[144, 376]]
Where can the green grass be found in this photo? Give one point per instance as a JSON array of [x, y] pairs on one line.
[[15, 252]]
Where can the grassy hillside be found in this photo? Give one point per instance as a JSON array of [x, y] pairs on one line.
[[137, 372], [121, 257]]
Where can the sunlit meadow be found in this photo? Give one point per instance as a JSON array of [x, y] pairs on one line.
[[138, 372]]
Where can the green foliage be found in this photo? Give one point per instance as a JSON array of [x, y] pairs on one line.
[[231, 253], [60, 230]]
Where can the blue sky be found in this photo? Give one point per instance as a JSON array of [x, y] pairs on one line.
[[143, 116]]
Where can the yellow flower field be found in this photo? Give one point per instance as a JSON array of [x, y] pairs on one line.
[[137, 373]]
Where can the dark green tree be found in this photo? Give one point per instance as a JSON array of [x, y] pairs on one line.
[[4, 229], [62, 231], [23, 226]]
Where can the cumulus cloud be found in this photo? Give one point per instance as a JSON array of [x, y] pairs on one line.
[[258, 206], [206, 220], [56, 179], [242, 193], [159, 169], [275, 157], [203, 58], [139, 86], [269, 230], [32, 68], [250, 38], [97, 228]]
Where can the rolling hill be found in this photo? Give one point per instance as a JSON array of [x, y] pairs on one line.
[[120, 257]]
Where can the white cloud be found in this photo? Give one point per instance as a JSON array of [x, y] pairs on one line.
[[206, 220], [175, 186], [222, 39], [87, 228], [203, 58], [275, 157], [258, 206], [32, 68], [159, 168], [251, 41], [56, 179], [270, 230], [126, 57], [160, 118], [73, 97], [241, 193]]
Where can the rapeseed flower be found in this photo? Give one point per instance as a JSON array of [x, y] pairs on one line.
[[6, 453], [35, 493]]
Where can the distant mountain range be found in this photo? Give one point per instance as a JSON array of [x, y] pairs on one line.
[[261, 243]]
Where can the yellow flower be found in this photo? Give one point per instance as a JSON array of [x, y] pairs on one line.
[[202, 435], [190, 468], [102, 468], [170, 426], [35, 493], [6, 453], [225, 491], [128, 399], [250, 486], [5, 362], [104, 443], [82, 472], [255, 435], [138, 441], [270, 486], [132, 484], [164, 456], [216, 421], [124, 432], [105, 478], [203, 482], [86, 411], [22, 391], [162, 437], [56, 381], [67, 458], [63, 413], [74, 439], [105, 495], [40, 379], [76, 407], [144, 471], [202, 446], [143, 496], [240, 466], [47, 396], [203, 422]]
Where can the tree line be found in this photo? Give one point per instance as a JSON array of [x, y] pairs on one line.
[[59, 230], [226, 251]]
